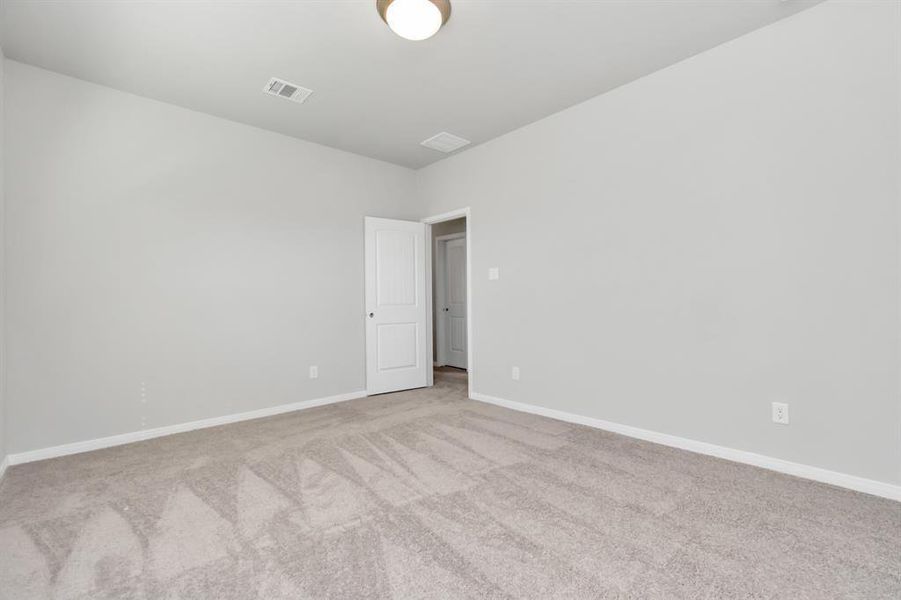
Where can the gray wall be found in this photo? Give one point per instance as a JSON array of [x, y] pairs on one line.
[[448, 227], [678, 253], [674, 255], [151, 247]]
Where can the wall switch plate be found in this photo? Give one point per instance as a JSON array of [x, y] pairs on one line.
[[514, 373], [494, 273], [314, 372], [780, 413]]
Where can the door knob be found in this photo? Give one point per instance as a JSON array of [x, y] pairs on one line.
[[371, 315], [446, 309]]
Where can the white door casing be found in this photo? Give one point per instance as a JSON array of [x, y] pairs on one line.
[[453, 309], [397, 355]]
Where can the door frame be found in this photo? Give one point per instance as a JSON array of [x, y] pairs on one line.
[[441, 294], [430, 317]]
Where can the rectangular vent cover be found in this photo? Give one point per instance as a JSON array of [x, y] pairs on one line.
[[445, 142], [289, 91]]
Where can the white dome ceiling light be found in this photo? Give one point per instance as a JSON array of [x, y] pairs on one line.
[[414, 19]]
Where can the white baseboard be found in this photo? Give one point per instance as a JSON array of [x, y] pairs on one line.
[[146, 434], [3, 464], [860, 484]]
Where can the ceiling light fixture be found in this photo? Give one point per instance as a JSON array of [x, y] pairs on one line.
[[414, 19]]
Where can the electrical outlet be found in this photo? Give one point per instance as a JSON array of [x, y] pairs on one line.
[[780, 413], [314, 372], [494, 273], [515, 373]]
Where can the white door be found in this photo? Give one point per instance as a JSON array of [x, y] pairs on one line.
[[397, 357], [454, 308]]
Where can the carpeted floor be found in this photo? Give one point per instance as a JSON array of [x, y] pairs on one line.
[[426, 494]]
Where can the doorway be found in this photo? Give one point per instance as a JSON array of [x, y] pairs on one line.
[[449, 294], [451, 300], [403, 321]]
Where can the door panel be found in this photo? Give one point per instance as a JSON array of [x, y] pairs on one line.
[[397, 345], [457, 334], [396, 268], [395, 306], [455, 303]]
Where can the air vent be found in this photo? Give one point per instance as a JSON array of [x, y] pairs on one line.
[[288, 91], [445, 142]]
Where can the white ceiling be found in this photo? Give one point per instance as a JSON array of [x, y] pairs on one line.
[[497, 65]]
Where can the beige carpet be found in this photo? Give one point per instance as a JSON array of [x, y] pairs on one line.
[[426, 494]]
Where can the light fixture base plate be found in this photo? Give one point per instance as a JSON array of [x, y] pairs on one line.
[[443, 5]]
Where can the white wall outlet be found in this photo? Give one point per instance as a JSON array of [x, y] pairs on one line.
[[514, 373], [314, 372], [494, 273], [780, 413]]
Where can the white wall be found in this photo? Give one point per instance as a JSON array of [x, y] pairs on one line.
[[148, 244], [678, 253]]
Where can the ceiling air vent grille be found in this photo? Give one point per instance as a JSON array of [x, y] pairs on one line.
[[445, 142], [286, 90]]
